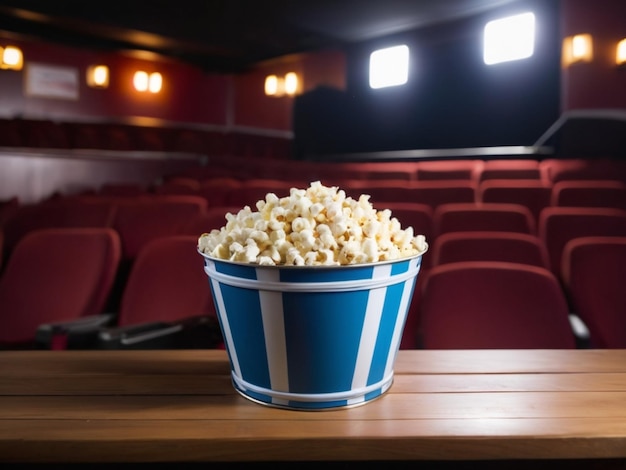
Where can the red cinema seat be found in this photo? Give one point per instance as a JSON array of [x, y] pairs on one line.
[[493, 305], [512, 247], [453, 169], [167, 301], [534, 194], [589, 193], [558, 225], [514, 168], [593, 272], [55, 275], [500, 217]]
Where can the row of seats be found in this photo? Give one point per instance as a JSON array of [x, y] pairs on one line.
[[117, 136], [473, 304], [458, 304], [140, 219], [547, 170], [531, 193], [54, 288]]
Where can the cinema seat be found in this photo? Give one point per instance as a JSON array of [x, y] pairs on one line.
[[216, 190], [593, 271], [534, 193], [561, 169], [493, 305], [514, 168], [589, 193], [65, 212], [139, 221], [55, 275], [558, 225], [432, 193], [500, 217], [167, 301], [512, 247], [452, 169], [213, 218]]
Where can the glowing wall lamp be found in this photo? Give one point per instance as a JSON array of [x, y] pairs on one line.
[[144, 82], [620, 55], [578, 48], [11, 58], [291, 83], [279, 86], [98, 76], [274, 85]]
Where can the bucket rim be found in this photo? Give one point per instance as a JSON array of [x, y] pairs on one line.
[[313, 267]]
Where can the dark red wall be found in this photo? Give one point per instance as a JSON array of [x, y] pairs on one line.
[[597, 84]]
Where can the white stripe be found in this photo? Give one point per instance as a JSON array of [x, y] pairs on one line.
[[274, 331], [337, 286], [228, 336], [371, 326], [351, 396], [401, 319]]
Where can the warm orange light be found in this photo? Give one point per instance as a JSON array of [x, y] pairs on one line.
[[620, 56], [578, 48], [12, 58], [144, 82], [291, 83], [98, 76], [140, 80], [155, 82], [273, 86]]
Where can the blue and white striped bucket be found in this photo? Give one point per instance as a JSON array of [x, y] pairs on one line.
[[312, 338]]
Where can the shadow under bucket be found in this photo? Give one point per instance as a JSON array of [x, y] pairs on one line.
[[312, 338]]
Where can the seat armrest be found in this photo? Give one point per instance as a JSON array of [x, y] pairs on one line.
[[71, 334], [136, 335], [190, 333]]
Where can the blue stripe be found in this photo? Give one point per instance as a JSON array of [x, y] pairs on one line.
[[246, 326], [385, 333], [237, 270], [323, 333], [324, 274]]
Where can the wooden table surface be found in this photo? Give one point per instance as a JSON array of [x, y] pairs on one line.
[[180, 406]]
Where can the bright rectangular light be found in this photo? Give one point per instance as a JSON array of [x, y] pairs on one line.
[[389, 67], [511, 38]]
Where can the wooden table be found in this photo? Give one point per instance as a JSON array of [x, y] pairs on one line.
[[180, 406]]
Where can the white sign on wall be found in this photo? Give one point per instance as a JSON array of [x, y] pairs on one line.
[[51, 81]]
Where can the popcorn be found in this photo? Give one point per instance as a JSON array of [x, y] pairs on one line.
[[317, 226]]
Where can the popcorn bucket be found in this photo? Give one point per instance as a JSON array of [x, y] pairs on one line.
[[312, 338]]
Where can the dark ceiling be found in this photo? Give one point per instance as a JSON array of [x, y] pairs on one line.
[[226, 35]]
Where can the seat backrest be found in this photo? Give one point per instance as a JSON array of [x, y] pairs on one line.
[[53, 275], [166, 283], [179, 185], [217, 190], [254, 190], [493, 305], [518, 168], [558, 225], [534, 194], [65, 212], [500, 217], [589, 193], [454, 169], [213, 218], [416, 215], [142, 220], [593, 272], [556, 169], [123, 189], [513, 247]]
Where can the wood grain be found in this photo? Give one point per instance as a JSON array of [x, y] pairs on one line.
[[180, 406]]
